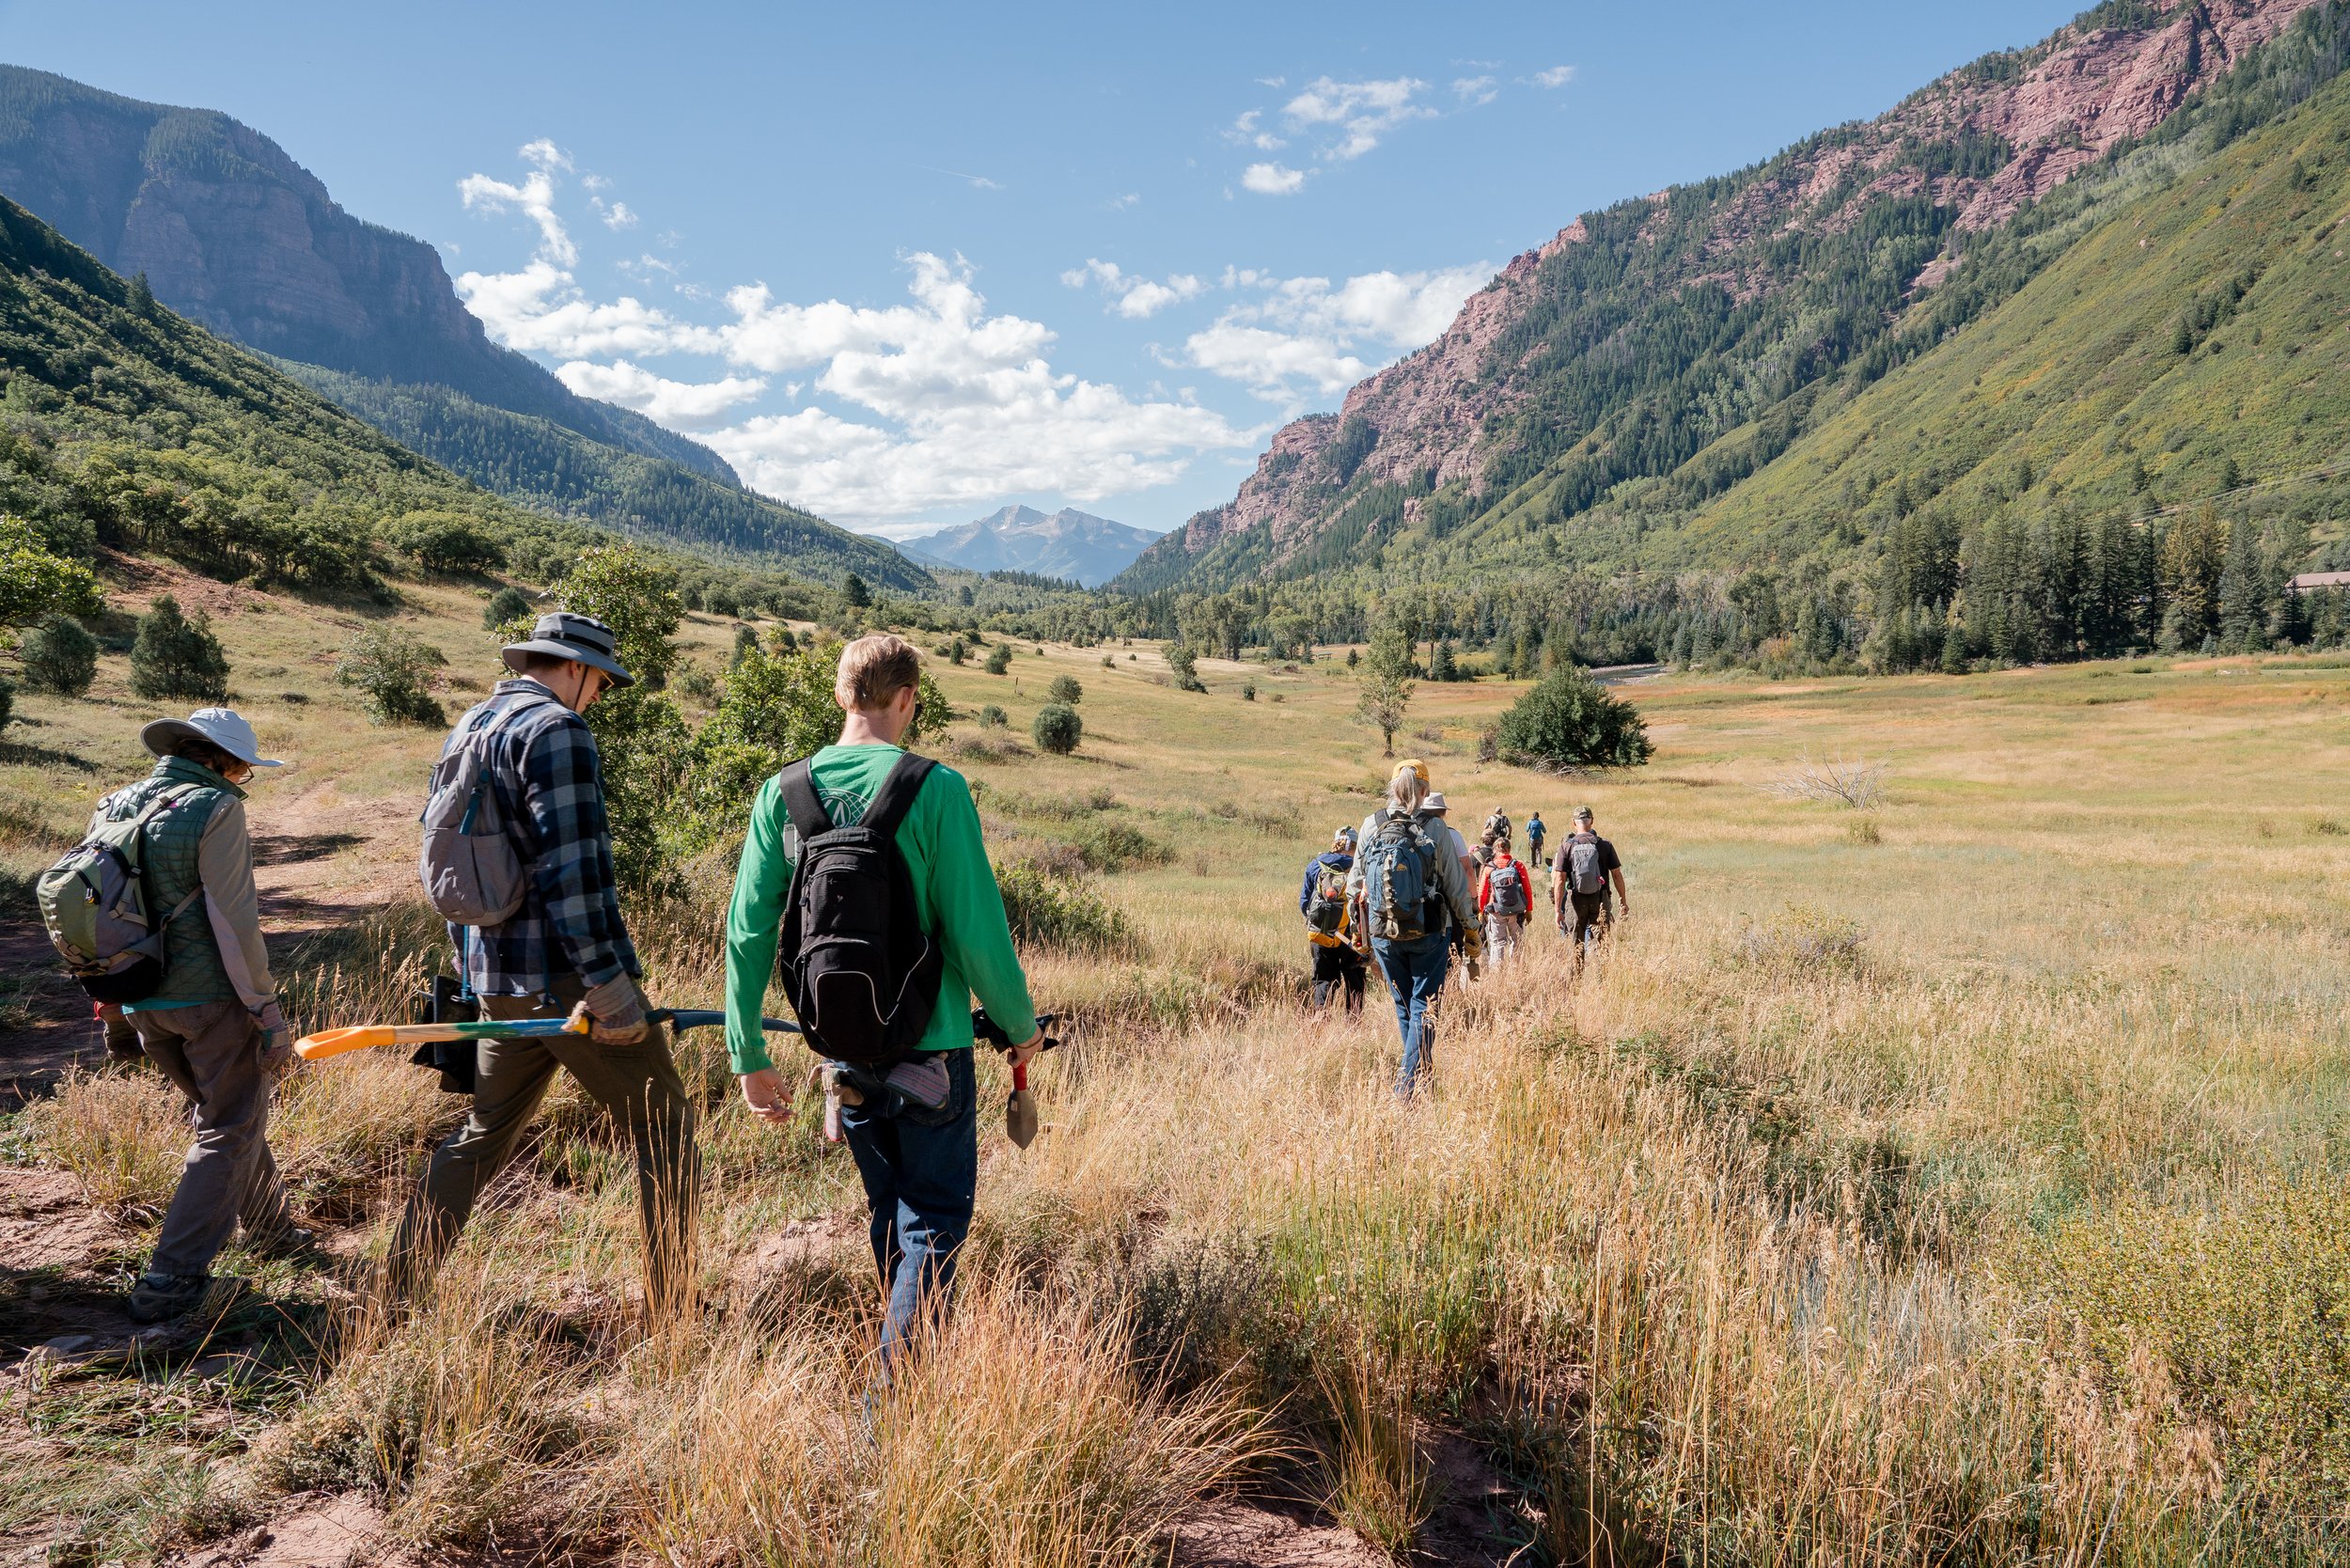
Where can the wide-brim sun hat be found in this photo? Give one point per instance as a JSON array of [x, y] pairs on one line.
[[1434, 801], [581, 638], [223, 726]]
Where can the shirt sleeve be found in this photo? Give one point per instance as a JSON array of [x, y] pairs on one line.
[[232, 906], [1484, 889], [970, 907], [1452, 883], [762, 880], [1305, 890], [1607, 861], [563, 794]]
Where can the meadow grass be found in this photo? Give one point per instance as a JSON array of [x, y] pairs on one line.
[[1958, 1193]]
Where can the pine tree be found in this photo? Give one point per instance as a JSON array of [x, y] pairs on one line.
[[139, 299], [2242, 607], [855, 594], [1442, 665], [176, 657], [60, 657]]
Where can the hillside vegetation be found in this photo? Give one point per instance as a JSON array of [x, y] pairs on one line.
[[122, 424]]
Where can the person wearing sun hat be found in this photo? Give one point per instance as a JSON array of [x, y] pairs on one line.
[[213, 1025], [564, 950]]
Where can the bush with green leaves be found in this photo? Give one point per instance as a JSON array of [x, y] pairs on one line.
[[1057, 728], [507, 604], [176, 657], [35, 581], [8, 701], [393, 670], [448, 542], [60, 657], [1570, 720], [1066, 689], [1186, 664], [745, 646], [998, 659], [993, 717], [1052, 910]]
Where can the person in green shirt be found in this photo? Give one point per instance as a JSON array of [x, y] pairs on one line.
[[916, 1144]]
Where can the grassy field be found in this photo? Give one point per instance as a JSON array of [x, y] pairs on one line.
[[1951, 1181]]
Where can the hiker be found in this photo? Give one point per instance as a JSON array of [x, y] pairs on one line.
[[1534, 832], [915, 1134], [1579, 881], [1433, 810], [212, 1023], [563, 950], [1504, 897], [1414, 898], [1497, 826], [1330, 929]]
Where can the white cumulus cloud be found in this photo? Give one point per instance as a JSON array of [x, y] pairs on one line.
[[678, 404], [1557, 76], [1357, 113], [1289, 337], [1272, 178]]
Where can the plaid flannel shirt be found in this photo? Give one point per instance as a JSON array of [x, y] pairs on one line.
[[542, 765]]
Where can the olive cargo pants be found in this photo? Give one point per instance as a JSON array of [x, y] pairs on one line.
[[639, 1084]]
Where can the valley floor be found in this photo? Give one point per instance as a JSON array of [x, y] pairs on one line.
[[1947, 1180]]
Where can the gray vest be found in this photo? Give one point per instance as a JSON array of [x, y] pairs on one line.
[[192, 966]]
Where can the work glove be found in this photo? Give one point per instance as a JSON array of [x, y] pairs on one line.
[[614, 1011], [277, 1053]]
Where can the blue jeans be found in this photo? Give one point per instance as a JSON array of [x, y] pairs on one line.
[[1415, 973], [922, 1172]]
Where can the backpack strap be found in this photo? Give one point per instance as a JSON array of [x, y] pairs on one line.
[[797, 785], [894, 797]]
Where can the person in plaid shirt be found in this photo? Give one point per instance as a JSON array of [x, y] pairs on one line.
[[566, 951]]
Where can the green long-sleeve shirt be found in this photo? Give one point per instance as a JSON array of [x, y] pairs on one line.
[[954, 894]]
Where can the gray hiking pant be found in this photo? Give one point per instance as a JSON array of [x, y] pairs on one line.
[[212, 1052], [639, 1084]]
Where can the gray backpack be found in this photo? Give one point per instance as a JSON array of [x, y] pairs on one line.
[[1584, 873], [473, 875]]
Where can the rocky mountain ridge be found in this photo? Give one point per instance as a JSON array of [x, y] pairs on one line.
[[1532, 375], [1068, 544]]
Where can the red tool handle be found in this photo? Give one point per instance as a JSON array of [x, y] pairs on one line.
[[1019, 1075]]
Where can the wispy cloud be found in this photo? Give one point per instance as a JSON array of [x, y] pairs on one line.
[[977, 181], [1358, 113], [1134, 297], [1473, 90], [1555, 76]]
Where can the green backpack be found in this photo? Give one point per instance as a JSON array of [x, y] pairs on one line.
[[96, 906]]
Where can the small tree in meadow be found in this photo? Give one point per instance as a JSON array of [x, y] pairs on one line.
[[60, 657], [1570, 720], [998, 659], [176, 657], [392, 669], [1057, 728], [507, 604], [1066, 689], [1186, 664]]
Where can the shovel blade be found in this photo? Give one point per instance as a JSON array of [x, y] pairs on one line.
[[1020, 1117]]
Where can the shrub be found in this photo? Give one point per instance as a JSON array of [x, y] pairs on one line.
[[998, 659], [8, 701], [958, 652], [507, 604], [1569, 721], [1066, 689], [1115, 846], [1048, 909], [1186, 664], [392, 669], [60, 657], [173, 656], [1248, 691], [35, 581], [1057, 728], [448, 542], [993, 717], [746, 644], [1801, 940]]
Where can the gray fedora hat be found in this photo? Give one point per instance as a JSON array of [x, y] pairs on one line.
[[224, 727], [581, 638]]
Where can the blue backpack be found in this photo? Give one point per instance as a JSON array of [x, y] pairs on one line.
[[1399, 877]]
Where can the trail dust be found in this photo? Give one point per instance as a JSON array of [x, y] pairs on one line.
[[338, 1532]]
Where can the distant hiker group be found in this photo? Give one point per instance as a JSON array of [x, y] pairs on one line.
[[1405, 891]]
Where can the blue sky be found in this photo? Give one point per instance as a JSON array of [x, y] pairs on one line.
[[907, 263]]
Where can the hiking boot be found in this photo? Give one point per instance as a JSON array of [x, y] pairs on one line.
[[158, 1296]]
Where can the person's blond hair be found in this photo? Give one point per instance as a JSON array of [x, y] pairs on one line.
[[1407, 788], [874, 669]]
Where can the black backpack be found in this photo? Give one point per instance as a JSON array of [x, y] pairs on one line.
[[856, 965]]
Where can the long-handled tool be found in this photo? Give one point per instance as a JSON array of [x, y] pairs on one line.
[[1020, 1121], [334, 1042]]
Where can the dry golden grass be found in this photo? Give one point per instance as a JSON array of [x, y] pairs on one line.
[[1937, 1196]]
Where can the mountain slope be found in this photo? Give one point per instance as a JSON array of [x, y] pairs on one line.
[[553, 468], [1068, 544], [1637, 336], [123, 424], [231, 232]]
